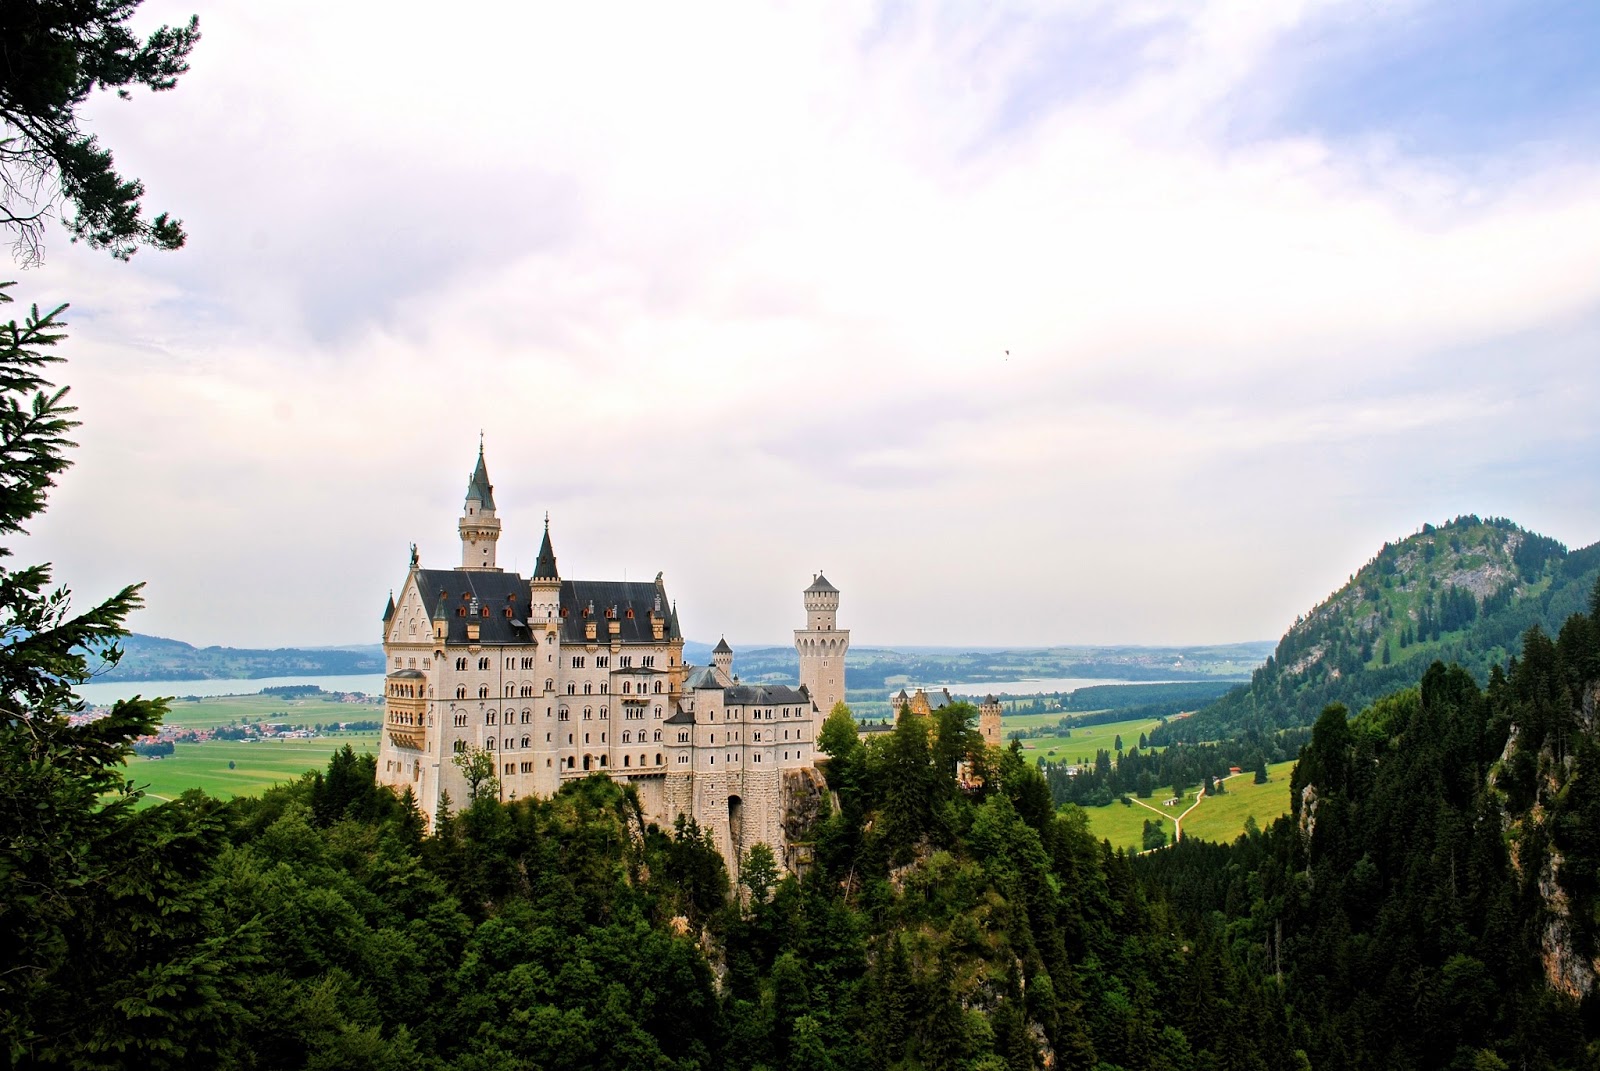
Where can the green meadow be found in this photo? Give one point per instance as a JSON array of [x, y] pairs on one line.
[[1218, 818], [1084, 741], [256, 766]]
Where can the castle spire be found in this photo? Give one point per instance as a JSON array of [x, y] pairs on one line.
[[545, 569], [480, 528]]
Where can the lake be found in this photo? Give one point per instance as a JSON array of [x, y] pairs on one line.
[[101, 693]]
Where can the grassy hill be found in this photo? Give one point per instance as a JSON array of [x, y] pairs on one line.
[[1465, 592]]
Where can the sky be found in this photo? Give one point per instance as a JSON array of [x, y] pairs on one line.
[[1125, 322]]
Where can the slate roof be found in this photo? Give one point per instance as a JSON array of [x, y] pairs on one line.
[[545, 568], [639, 596], [821, 584], [703, 677], [764, 695], [388, 611], [680, 717], [478, 486], [445, 588], [722, 647], [990, 700]]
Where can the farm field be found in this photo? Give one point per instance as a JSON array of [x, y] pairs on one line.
[[1084, 741], [1218, 818], [214, 711], [257, 766]]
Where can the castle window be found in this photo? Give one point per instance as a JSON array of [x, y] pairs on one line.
[[577, 661], [603, 714], [547, 738], [508, 614], [461, 663], [648, 661], [461, 611], [549, 684], [658, 687], [564, 714], [460, 746], [569, 762], [485, 611], [509, 689], [627, 687], [483, 663], [572, 688], [627, 737], [627, 661], [588, 713], [602, 661], [488, 745], [488, 719], [658, 712], [396, 661], [626, 761], [658, 736], [527, 741], [588, 688], [461, 691], [483, 691]]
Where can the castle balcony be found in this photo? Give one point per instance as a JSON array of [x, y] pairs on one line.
[[405, 709]]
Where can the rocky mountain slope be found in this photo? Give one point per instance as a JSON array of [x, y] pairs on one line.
[[1465, 592]]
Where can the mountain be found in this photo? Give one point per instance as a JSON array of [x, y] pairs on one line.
[[1465, 592], [152, 658]]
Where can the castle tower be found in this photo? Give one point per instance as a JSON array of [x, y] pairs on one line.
[[544, 603], [989, 721], [480, 528], [722, 659], [822, 646]]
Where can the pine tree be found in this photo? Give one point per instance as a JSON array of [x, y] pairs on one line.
[[100, 948]]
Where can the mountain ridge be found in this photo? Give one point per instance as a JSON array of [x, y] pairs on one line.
[[1463, 592]]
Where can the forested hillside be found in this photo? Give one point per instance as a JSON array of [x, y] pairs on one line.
[[1432, 899], [1464, 593]]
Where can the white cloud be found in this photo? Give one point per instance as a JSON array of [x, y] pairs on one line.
[[731, 291]]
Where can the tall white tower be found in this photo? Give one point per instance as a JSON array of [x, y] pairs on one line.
[[822, 646], [480, 528]]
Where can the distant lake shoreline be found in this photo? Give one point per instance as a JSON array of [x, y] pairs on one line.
[[106, 692]]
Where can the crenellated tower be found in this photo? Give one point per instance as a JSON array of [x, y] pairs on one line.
[[822, 646], [480, 528]]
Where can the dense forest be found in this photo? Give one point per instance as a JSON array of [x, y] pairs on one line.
[[1432, 900], [1463, 593]]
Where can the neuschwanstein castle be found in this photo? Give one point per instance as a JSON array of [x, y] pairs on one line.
[[560, 678]]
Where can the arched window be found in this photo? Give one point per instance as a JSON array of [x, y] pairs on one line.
[[461, 691], [526, 741], [461, 663], [588, 688], [602, 761], [508, 690], [627, 687], [658, 758], [602, 713], [572, 688], [483, 691], [626, 761], [460, 746], [549, 685], [658, 736], [483, 663], [627, 737], [586, 762], [658, 687], [488, 745], [488, 719], [588, 713]]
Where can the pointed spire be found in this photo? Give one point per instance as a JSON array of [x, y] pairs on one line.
[[388, 611], [722, 647], [545, 569], [478, 486], [441, 612]]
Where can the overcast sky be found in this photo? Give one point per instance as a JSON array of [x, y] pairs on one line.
[[1121, 322]]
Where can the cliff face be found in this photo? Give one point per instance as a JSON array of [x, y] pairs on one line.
[[1540, 836], [804, 792]]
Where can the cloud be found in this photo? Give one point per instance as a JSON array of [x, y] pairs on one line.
[[987, 310]]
